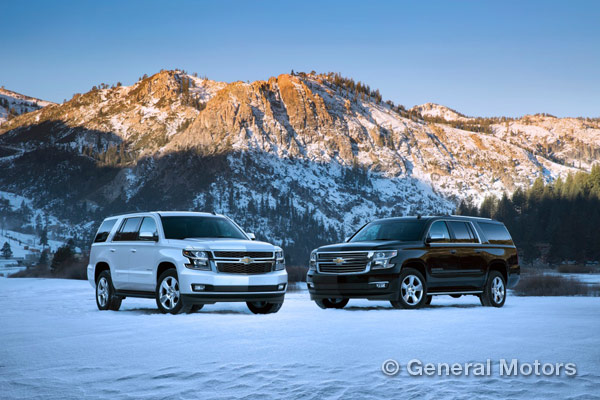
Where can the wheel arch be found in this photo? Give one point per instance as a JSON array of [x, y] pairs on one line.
[[419, 265], [99, 267], [164, 266], [500, 266]]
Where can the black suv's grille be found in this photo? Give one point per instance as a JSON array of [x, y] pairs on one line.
[[241, 254], [343, 263], [241, 268]]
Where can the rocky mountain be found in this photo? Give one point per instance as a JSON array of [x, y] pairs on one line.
[[299, 159], [13, 104]]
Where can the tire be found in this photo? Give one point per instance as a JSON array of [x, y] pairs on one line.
[[195, 307], [338, 303], [428, 301], [413, 290], [105, 293], [263, 307], [168, 296], [494, 292]]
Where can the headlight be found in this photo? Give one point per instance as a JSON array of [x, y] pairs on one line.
[[198, 259], [279, 260], [381, 259], [312, 264]]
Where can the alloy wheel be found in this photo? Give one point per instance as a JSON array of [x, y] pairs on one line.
[[411, 290], [498, 290], [102, 292], [169, 293]]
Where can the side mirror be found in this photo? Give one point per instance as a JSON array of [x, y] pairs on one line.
[[151, 236], [252, 236], [428, 240]]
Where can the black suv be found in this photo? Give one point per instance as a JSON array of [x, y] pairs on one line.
[[408, 260]]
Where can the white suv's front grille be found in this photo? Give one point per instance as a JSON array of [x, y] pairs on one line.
[[244, 262]]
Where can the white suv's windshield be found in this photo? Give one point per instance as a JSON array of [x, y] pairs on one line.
[[188, 227], [391, 229]]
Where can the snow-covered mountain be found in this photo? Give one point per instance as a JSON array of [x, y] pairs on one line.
[[287, 156], [13, 104]]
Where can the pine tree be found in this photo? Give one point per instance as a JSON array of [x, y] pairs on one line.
[[6, 251]]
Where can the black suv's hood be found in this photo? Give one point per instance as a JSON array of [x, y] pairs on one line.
[[374, 245]]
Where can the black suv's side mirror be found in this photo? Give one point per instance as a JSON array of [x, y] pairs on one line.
[[428, 240]]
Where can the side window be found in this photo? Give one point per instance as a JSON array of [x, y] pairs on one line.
[[495, 233], [129, 229], [462, 232], [438, 232], [104, 230], [148, 225]]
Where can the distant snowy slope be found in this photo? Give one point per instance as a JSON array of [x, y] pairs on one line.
[[13, 104]]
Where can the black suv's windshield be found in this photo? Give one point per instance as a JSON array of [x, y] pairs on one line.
[[392, 229], [184, 227]]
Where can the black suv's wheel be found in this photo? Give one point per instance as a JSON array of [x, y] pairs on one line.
[[168, 297], [332, 303], [413, 290], [263, 307], [494, 292], [105, 293]]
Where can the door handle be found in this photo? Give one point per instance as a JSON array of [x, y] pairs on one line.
[[452, 251], [112, 250], [477, 251], [133, 250]]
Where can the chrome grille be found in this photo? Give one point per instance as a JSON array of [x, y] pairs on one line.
[[353, 262], [241, 254], [241, 268]]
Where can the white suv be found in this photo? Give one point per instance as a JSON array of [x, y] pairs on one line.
[[184, 260]]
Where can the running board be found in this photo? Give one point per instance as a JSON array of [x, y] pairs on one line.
[[135, 293], [449, 293]]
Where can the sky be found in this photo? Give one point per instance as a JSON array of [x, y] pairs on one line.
[[481, 58]]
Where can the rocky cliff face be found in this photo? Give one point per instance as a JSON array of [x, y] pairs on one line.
[[293, 151]]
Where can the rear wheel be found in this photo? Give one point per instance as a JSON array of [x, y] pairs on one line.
[[105, 293], [168, 296], [332, 303], [263, 307], [196, 307], [413, 290], [494, 292]]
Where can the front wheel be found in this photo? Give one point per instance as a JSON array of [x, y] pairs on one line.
[[494, 292], [413, 290], [263, 307], [332, 303], [168, 296], [105, 293]]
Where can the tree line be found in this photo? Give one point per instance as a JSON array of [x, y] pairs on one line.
[[550, 222]]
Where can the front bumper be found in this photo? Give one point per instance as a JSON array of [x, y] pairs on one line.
[[354, 286], [231, 287]]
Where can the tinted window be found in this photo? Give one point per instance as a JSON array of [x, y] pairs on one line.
[[181, 227], [405, 230], [438, 232], [148, 225], [495, 233], [104, 230], [462, 232], [129, 229]]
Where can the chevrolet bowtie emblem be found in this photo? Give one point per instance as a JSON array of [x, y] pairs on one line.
[[247, 260], [338, 261]]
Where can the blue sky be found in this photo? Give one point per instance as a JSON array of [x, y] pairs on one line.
[[480, 58]]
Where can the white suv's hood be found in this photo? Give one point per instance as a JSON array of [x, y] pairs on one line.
[[223, 244]]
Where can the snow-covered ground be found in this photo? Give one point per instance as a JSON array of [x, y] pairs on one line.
[[56, 344]]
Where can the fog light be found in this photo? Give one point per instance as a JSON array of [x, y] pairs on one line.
[[198, 288], [380, 285], [281, 287]]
